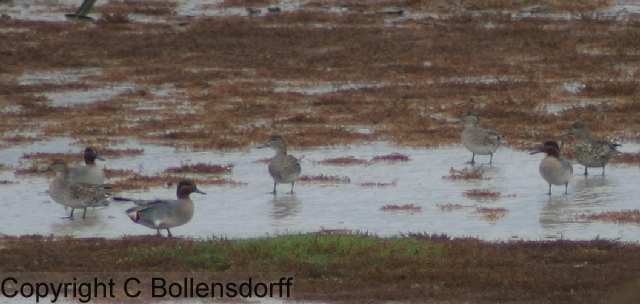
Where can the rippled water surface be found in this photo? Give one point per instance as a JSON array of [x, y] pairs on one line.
[[250, 211]]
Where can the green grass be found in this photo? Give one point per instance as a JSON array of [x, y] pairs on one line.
[[357, 267], [315, 254]]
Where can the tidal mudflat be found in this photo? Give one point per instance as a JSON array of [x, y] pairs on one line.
[[369, 97]]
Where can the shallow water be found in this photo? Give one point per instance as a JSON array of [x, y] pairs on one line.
[[73, 97], [557, 108], [250, 211], [321, 88], [54, 10]]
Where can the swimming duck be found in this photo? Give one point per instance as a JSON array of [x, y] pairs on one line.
[[479, 140], [589, 151], [554, 168], [165, 214], [283, 168], [65, 191]]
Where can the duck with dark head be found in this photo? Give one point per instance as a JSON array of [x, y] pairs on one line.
[[554, 168], [165, 214], [76, 195]]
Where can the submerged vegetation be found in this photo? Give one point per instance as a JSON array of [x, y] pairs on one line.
[[482, 194], [401, 207], [357, 268], [623, 216], [324, 179], [475, 173], [200, 168]]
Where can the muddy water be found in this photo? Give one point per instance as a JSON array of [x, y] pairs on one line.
[[250, 211]]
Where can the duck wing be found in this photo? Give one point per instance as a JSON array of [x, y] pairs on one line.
[[91, 195], [293, 165], [489, 136], [152, 213]]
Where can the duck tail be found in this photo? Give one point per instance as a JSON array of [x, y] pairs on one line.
[[133, 214]]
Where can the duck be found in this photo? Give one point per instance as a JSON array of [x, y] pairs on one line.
[[283, 168], [165, 214], [76, 195], [479, 140], [590, 151], [554, 168]]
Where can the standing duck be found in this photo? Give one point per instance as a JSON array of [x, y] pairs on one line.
[[554, 168], [165, 214], [283, 168], [479, 140], [589, 151], [76, 195]]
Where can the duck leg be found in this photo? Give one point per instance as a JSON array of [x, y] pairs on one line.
[[274, 188], [549, 193], [292, 184], [84, 213], [490, 159], [70, 217], [169, 233], [603, 166], [473, 158], [566, 188], [158, 232], [586, 170]]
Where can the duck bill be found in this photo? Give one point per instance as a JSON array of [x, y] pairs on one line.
[[262, 146], [198, 191]]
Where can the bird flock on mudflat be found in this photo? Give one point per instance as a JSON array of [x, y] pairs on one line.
[[84, 187]]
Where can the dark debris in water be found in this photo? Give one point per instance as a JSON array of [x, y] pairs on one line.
[[401, 207], [393, 157], [482, 194], [200, 168], [465, 174], [328, 179], [354, 161], [344, 161], [451, 207], [492, 214], [378, 184]]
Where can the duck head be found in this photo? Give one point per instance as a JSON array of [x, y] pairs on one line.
[[186, 187], [275, 142], [90, 156], [550, 148]]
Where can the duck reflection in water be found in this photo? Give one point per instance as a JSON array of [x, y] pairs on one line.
[[284, 207]]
